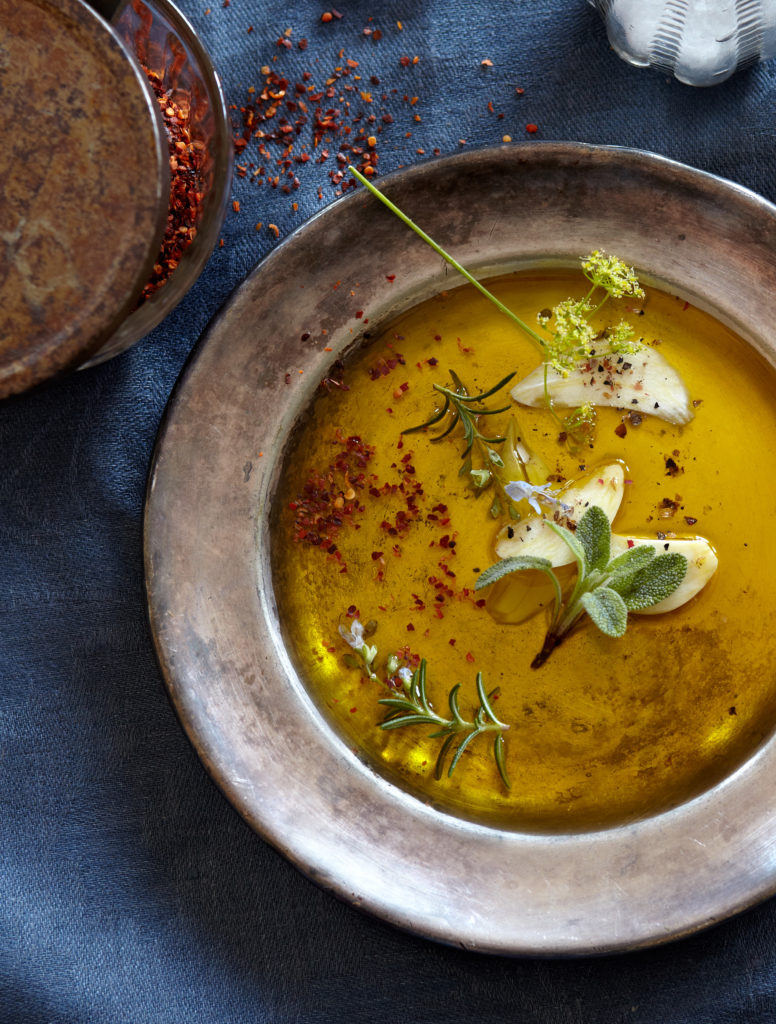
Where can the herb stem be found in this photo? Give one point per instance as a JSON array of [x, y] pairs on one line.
[[448, 258]]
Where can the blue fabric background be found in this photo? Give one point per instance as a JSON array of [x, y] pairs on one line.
[[130, 891]]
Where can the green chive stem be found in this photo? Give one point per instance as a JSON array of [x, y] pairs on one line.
[[447, 257]]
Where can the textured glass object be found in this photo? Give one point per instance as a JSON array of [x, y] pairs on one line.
[[700, 42]]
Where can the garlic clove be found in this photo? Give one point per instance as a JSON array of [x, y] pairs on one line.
[[642, 381], [701, 565], [532, 536]]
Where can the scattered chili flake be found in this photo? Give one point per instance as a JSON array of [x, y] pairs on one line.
[[326, 16], [532, 128], [668, 507]]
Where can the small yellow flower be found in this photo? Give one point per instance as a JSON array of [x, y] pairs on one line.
[[572, 335], [611, 274]]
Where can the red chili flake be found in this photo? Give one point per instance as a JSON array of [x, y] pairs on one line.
[[668, 507], [469, 657], [532, 128], [187, 183], [326, 16], [631, 543], [390, 277], [410, 628]]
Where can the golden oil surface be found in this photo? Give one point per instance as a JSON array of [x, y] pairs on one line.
[[607, 731]]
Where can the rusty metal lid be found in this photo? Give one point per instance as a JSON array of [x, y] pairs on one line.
[[85, 187]]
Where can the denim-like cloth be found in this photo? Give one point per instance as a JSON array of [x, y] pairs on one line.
[[130, 890]]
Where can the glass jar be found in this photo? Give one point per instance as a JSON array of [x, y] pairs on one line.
[[168, 47], [699, 42]]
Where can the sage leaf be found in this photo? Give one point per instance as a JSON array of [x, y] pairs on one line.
[[595, 535], [607, 610], [659, 578], [630, 561], [496, 572]]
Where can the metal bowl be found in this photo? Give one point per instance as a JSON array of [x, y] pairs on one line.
[[210, 591], [166, 43]]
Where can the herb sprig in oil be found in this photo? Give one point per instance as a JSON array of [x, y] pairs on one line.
[[409, 705], [606, 588]]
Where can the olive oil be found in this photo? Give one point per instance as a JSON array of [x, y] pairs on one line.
[[380, 526]]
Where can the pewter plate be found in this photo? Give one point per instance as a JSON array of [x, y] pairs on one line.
[[213, 613]]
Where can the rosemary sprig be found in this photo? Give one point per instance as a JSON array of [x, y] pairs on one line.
[[606, 588], [412, 707], [497, 467], [466, 409]]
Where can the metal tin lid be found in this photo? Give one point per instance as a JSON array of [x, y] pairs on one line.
[[85, 187]]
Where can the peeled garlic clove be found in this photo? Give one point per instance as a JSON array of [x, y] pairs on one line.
[[701, 565], [642, 381], [532, 536]]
